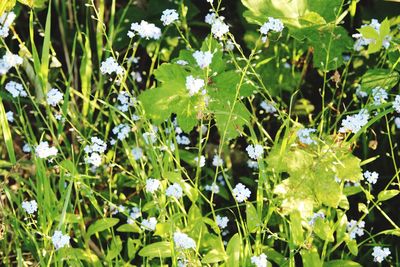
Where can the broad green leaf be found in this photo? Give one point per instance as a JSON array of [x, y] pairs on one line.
[[34, 3], [384, 78], [101, 225], [348, 168], [295, 228], [323, 230], [115, 249], [377, 37], [387, 194], [233, 250], [157, 250], [77, 253], [129, 228], [311, 258], [213, 256], [341, 263], [252, 219], [5, 128], [352, 245]]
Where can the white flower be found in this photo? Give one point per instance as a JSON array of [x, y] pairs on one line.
[[122, 131], [10, 116], [94, 159], [59, 240], [169, 16], [115, 210], [214, 188], [380, 95], [15, 89], [149, 138], [145, 30], [355, 228], [203, 59], [201, 162], [8, 61], [259, 261], [137, 76], [360, 93], [126, 101], [44, 151], [26, 148], [152, 185], [255, 152], [354, 123], [210, 18], [182, 140], [219, 28], [396, 104], [241, 193], [252, 164], [272, 24], [183, 241], [217, 161], [174, 190], [137, 153], [380, 254], [315, 216], [5, 22], [222, 222], [194, 85], [229, 46], [397, 122], [304, 136], [54, 96], [269, 108], [182, 62], [134, 214], [110, 65], [30, 206], [372, 177], [149, 224], [97, 145]]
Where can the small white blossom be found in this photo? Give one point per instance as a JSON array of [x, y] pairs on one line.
[[259, 261], [125, 101], [304, 136], [396, 103], [94, 159], [5, 22], [15, 89], [134, 214], [210, 18], [152, 185], [137, 153], [380, 95], [241, 193], [203, 59], [137, 76], [149, 224], [122, 131], [182, 140], [44, 151], [145, 30], [222, 222], [255, 152], [182, 62], [397, 122], [169, 16], [201, 162], [97, 145], [380, 254], [26, 148], [360, 93], [8, 61], [315, 216], [354, 123], [217, 161], [59, 240], [219, 28], [355, 228], [149, 138], [194, 85], [110, 65], [372, 177], [115, 210], [30, 206], [54, 96], [272, 24], [214, 188], [183, 241], [269, 108], [10, 116], [174, 190], [252, 164]]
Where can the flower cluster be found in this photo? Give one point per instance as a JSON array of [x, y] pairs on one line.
[[396, 103], [169, 16], [255, 152], [30, 206], [304, 136], [260, 260], [362, 41], [372, 177], [5, 22], [125, 101], [194, 85], [272, 24], [241, 192], [354, 123], [268, 107], [174, 190], [8, 61], [54, 96], [380, 95], [355, 228], [122, 131], [145, 30], [94, 151], [149, 224], [44, 151], [183, 241], [203, 59], [222, 221], [152, 185], [110, 65], [137, 153], [59, 240], [380, 254], [15, 89]]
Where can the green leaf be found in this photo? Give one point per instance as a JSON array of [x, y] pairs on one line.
[[377, 37], [115, 249], [348, 168], [101, 225], [76, 253], [157, 250], [323, 230], [387, 194], [253, 221], [352, 245], [341, 263], [129, 228], [213, 256], [34, 3], [7, 133], [384, 78], [296, 228], [233, 250], [311, 258]]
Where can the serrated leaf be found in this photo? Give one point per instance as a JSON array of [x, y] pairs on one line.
[[157, 250]]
